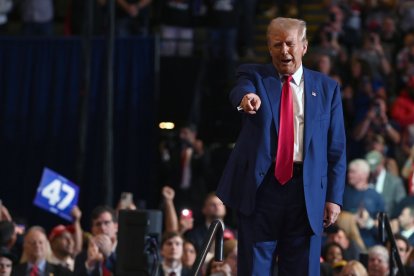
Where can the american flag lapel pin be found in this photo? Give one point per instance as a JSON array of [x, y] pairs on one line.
[[314, 93]]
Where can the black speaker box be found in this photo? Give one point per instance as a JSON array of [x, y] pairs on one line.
[[139, 233]]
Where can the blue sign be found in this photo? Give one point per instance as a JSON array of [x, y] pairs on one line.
[[56, 194]]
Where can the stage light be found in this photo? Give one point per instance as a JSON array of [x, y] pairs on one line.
[[166, 125]]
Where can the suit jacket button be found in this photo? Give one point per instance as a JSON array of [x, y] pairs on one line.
[[261, 174]]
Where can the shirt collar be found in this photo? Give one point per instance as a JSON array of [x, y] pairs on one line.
[[176, 269], [381, 176], [41, 266], [407, 233], [297, 76]]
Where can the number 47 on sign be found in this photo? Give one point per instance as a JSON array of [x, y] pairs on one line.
[[56, 194]]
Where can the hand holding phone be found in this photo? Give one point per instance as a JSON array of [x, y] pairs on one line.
[[126, 201], [187, 214], [186, 220]]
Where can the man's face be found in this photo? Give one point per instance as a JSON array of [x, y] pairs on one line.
[[35, 244], [286, 50], [377, 266], [355, 175], [172, 249], [214, 208], [340, 238], [405, 219], [104, 224], [63, 244], [5, 266]]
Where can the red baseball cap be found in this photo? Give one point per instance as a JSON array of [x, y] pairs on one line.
[[59, 229]]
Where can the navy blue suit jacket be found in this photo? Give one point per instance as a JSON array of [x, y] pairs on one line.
[[324, 164], [50, 269]]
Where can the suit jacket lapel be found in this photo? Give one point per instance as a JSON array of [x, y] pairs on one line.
[[273, 88], [311, 104], [272, 84], [47, 269]]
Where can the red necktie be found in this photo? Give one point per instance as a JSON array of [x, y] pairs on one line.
[[284, 154], [105, 270], [34, 271], [172, 274]]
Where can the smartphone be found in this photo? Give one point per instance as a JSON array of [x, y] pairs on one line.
[[20, 229], [126, 199], [187, 213]]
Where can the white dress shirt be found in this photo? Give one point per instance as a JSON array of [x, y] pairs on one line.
[[297, 86]]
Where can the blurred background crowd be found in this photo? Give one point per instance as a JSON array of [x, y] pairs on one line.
[[367, 46]]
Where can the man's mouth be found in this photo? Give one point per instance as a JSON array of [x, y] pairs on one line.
[[286, 60]]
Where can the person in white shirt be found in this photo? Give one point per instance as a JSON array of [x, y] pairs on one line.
[[389, 186]]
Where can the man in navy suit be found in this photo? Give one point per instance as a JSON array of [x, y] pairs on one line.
[[284, 219]]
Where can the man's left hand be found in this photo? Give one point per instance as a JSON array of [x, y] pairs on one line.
[[330, 214]]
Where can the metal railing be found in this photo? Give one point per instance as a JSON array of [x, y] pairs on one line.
[[215, 230], [385, 233]]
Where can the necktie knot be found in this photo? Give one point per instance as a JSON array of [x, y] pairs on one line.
[[34, 271], [287, 79]]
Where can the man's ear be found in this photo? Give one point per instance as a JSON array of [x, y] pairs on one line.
[[305, 47]]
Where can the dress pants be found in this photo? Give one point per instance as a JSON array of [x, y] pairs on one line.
[[278, 231]]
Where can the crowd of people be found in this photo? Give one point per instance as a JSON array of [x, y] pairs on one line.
[[70, 250], [367, 46], [175, 21]]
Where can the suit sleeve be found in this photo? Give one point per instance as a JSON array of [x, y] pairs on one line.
[[336, 151], [244, 85]]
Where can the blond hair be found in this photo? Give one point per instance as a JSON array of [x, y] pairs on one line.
[[48, 250], [356, 266], [361, 165], [284, 23]]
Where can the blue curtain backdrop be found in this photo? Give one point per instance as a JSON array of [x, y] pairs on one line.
[[40, 93]]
